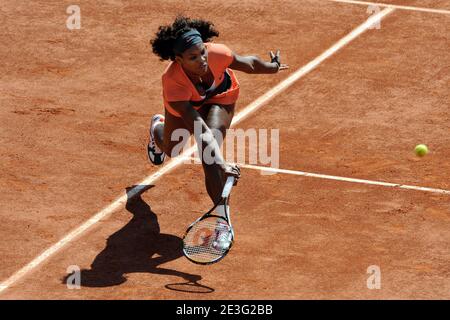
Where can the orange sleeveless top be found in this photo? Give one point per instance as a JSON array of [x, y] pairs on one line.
[[178, 87]]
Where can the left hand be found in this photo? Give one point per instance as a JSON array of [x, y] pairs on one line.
[[275, 57]]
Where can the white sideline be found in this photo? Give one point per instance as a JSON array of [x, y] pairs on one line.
[[252, 107], [386, 5], [345, 179], [195, 160]]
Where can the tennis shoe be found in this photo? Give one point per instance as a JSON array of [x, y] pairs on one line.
[[155, 154]]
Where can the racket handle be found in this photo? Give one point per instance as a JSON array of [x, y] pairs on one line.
[[227, 188]]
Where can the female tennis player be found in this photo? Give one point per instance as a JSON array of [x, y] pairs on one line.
[[200, 88]]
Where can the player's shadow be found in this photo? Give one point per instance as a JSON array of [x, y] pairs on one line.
[[137, 247]]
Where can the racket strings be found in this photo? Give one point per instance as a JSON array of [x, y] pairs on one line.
[[208, 240]]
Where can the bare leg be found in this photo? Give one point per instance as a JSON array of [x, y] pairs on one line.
[[159, 135]]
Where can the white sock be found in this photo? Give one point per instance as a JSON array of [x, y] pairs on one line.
[[220, 210]]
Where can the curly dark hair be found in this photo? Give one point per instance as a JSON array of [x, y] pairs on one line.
[[165, 38]]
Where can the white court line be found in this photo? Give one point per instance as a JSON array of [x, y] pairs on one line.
[[337, 178], [328, 177], [386, 5], [106, 212]]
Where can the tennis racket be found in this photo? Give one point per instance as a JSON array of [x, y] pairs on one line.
[[208, 239]]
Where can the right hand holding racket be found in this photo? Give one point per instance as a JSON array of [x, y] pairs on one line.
[[231, 170]]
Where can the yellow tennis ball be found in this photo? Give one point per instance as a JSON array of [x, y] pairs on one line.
[[421, 150]]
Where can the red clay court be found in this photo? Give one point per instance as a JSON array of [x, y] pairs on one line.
[[350, 192]]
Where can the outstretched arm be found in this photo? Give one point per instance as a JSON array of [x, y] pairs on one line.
[[254, 65]]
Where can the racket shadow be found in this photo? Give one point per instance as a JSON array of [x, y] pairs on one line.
[[189, 287], [137, 247]]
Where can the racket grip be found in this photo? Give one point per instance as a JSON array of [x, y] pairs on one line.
[[227, 188]]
